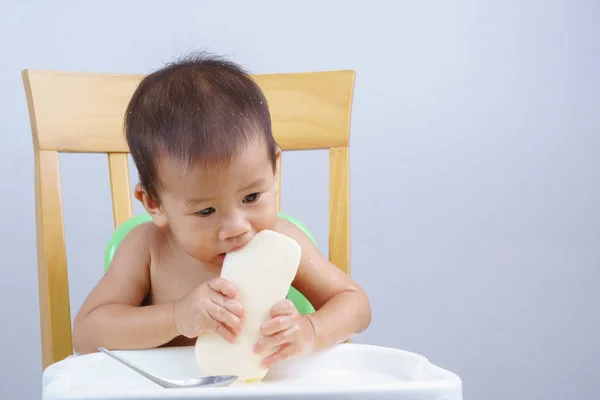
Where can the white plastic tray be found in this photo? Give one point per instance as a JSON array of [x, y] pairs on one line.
[[347, 371]]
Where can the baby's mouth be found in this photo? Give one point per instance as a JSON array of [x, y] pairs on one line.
[[221, 257]]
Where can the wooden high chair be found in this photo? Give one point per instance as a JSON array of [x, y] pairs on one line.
[[83, 113]]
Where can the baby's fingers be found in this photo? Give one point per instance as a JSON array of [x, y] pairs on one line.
[[288, 336], [233, 306], [224, 287], [223, 331], [283, 307], [225, 317], [277, 324], [283, 353]]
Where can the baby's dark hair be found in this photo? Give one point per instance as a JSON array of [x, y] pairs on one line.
[[198, 110]]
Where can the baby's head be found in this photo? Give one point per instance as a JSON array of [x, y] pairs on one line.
[[199, 131]]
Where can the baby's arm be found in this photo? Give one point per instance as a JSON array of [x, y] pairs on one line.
[[343, 308], [112, 315]]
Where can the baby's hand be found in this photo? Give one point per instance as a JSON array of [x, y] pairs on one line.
[[288, 330], [212, 306]]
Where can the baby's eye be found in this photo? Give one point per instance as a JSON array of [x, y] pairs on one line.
[[251, 198], [206, 212]]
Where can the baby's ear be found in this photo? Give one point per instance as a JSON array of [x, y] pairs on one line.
[[153, 207]]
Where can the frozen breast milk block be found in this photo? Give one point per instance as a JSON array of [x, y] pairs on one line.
[[262, 271]]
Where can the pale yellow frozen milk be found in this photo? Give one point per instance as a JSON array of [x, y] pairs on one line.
[[262, 271]]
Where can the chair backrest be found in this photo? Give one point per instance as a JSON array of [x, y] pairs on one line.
[[83, 113]]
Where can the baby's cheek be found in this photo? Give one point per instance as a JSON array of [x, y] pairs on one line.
[[198, 247], [268, 219], [204, 252], [264, 215]]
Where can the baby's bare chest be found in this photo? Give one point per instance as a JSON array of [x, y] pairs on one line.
[[175, 276]]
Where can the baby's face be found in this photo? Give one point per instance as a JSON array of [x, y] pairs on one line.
[[212, 211]]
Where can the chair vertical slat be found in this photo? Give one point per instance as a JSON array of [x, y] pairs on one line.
[[279, 167], [339, 209], [118, 169], [55, 313]]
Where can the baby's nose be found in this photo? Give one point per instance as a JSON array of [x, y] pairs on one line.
[[235, 228]]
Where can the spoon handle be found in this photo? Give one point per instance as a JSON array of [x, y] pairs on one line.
[[123, 361]]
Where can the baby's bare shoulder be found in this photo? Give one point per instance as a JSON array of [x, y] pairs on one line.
[[144, 235], [288, 228], [143, 242], [284, 226]]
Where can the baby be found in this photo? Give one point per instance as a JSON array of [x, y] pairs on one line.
[[199, 131]]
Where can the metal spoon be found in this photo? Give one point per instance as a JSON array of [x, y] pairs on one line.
[[212, 381]]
